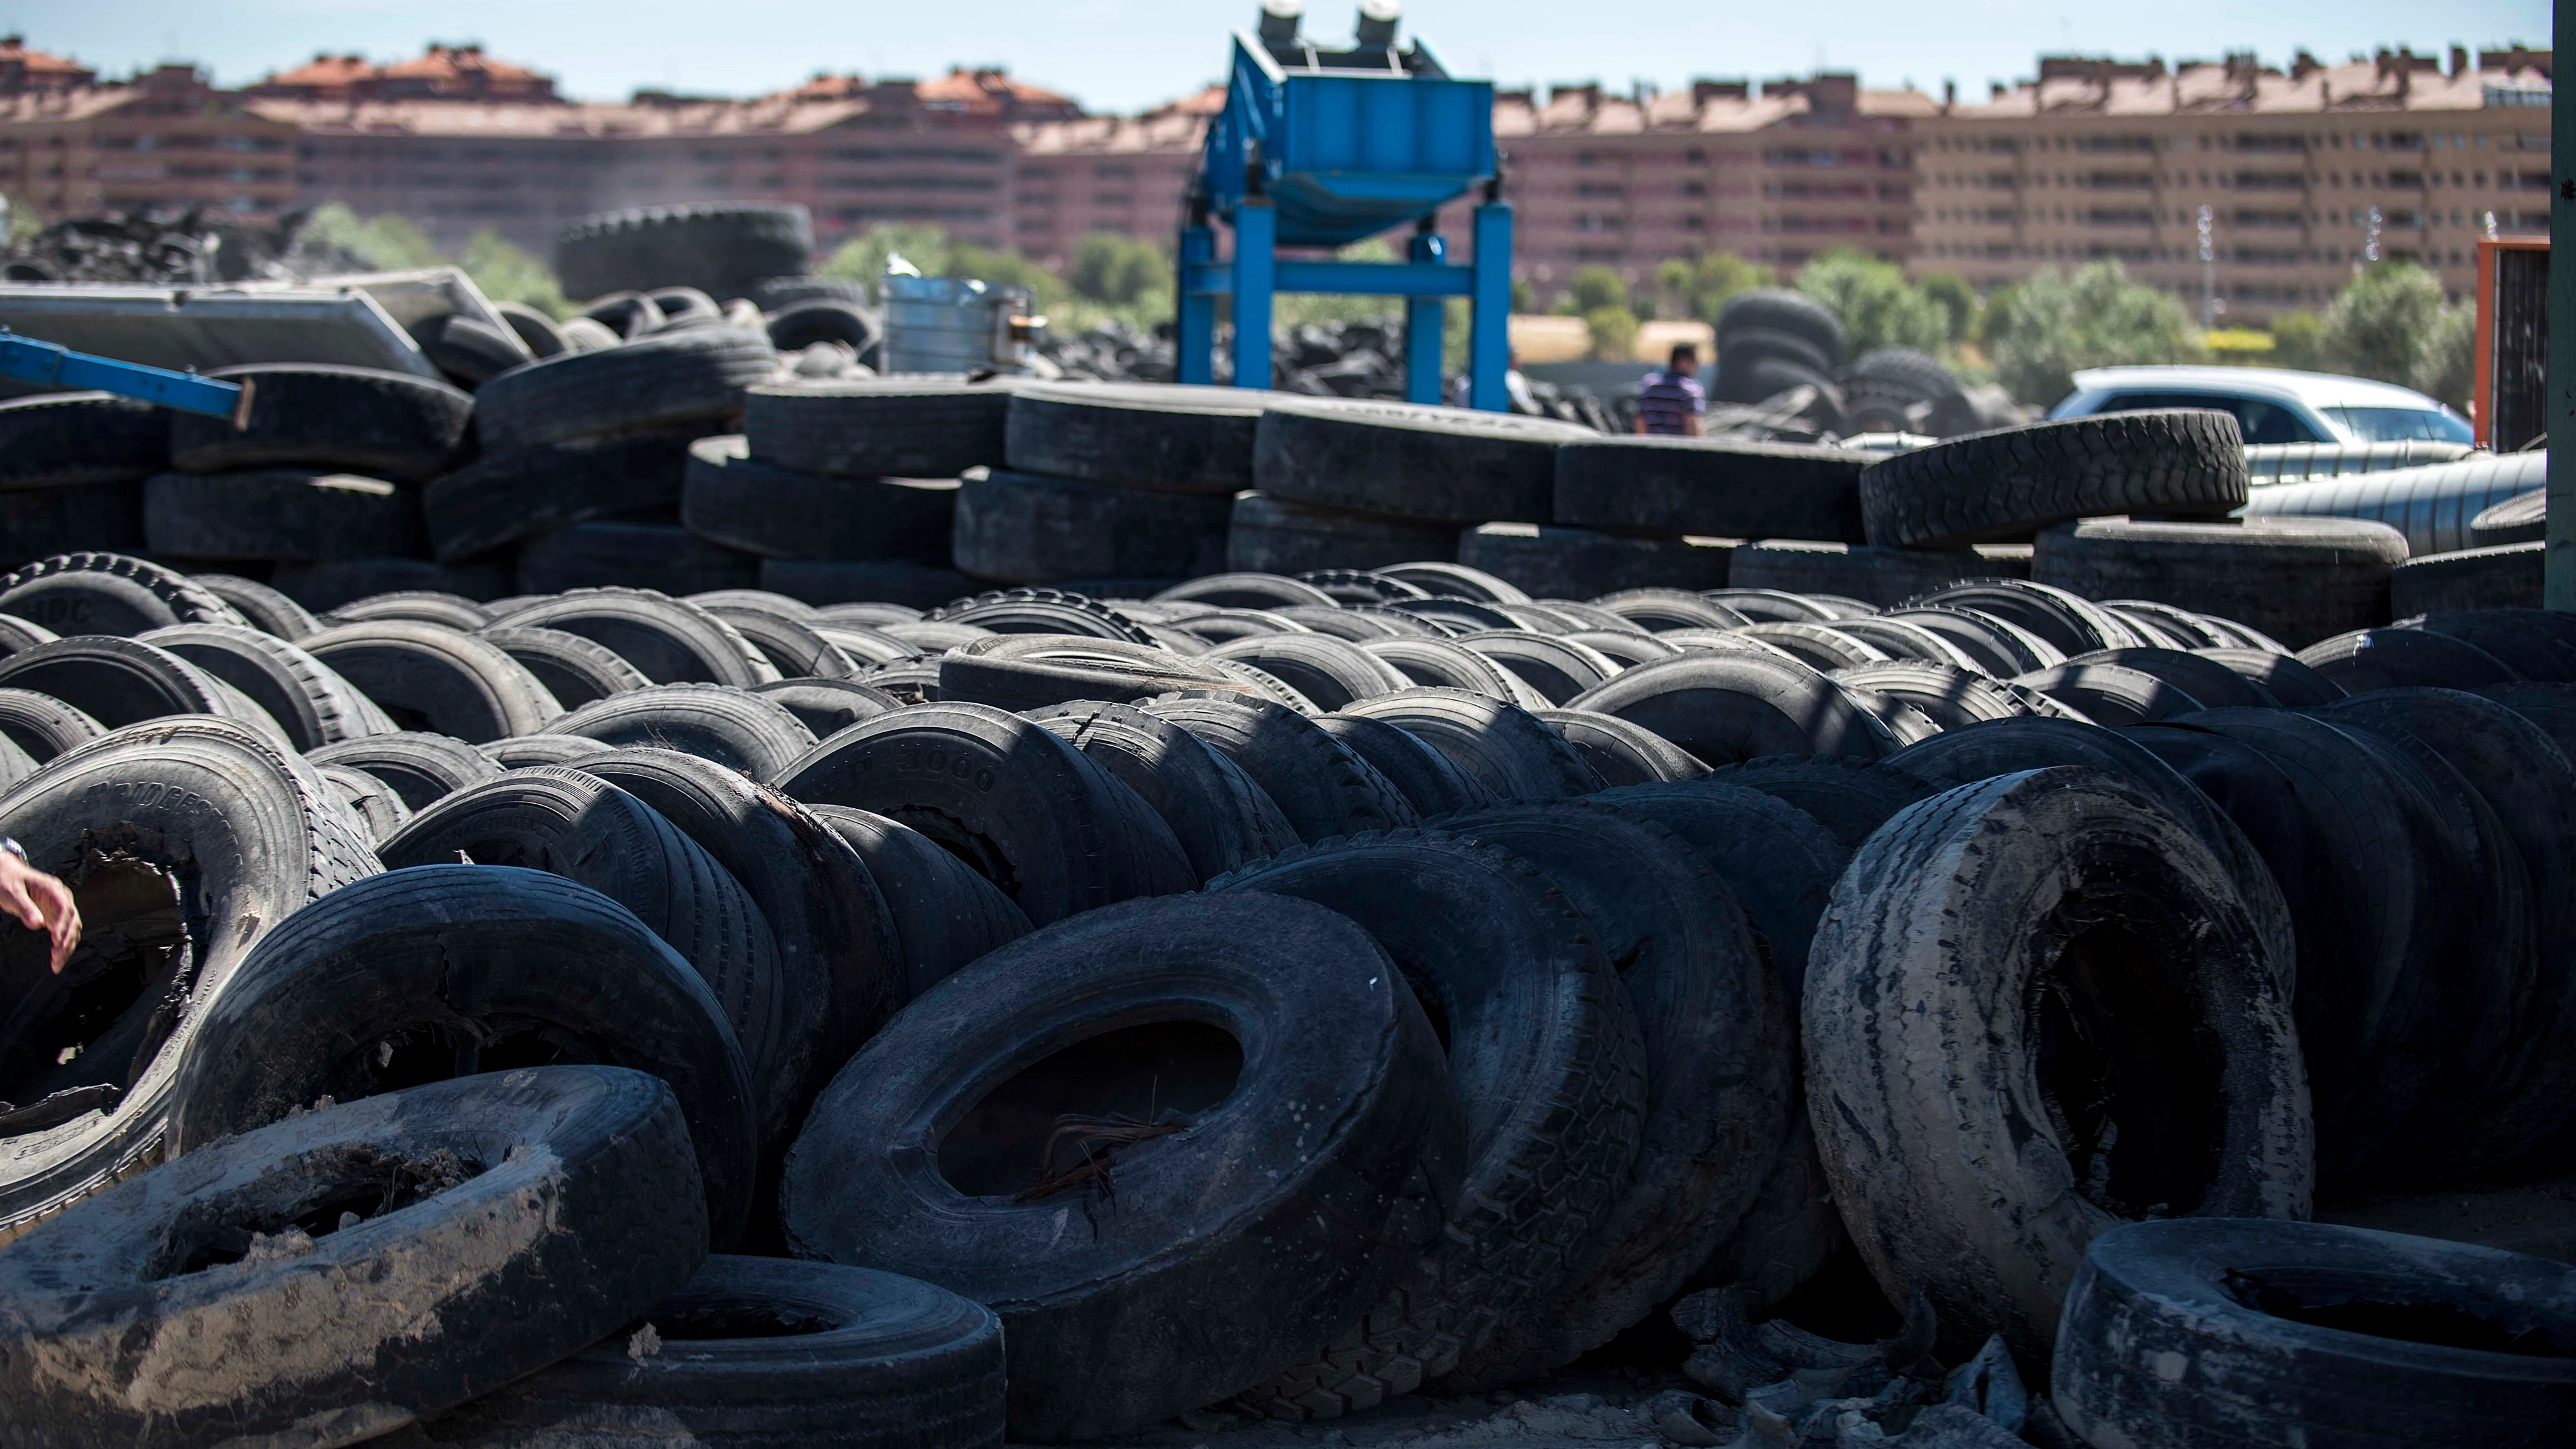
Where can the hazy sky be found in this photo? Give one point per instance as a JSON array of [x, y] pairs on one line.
[[1128, 54]]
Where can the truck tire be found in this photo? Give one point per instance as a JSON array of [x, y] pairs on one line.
[[761, 508], [723, 248], [695, 377], [2296, 579], [878, 427], [668, 640], [733, 728], [507, 498], [432, 678], [1724, 489], [2010, 484], [326, 418], [1150, 435], [107, 593], [1408, 460]]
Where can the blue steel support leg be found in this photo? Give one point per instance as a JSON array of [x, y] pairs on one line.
[[1422, 323], [1256, 232], [1195, 334], [1489, 341]]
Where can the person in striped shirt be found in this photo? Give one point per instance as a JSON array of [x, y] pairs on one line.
[[1670, 401]]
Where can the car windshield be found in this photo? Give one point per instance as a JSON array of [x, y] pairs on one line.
[[2398, 425], [2259, 421]]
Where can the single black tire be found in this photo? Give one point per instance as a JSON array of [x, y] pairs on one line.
[[1513, 753], [1056, 833], [2521, 519], [2297, 579], [1553, 667], [828, 706], [509, 497], [668, 640], [1849, 799], [794, 649], [2214, 684], [265, 608], [565, 822], [2112, 695], [730, 727], [322, 417], [1429, 781], [1497, 953], [1724, 489], [329, 585], [1778, 859], [2069, 623], [1442, 664], [107, 593], [1994, 646], [373, 801], [1745, 343], [836, 937], [1621, 753], [1229, 1251], [1029, 611], [1946, 976], [421, 768], [2533, 643], [425, 606], [469, 350], [575, 670], [1719, 1073], [1663, 610], [536, 1210], [755, 1353], [1028, 528], [1153, 435], [1779, 310], [1270, 534], [74, 518], [820, 319], [120, 682], [1031, 671], [2385, 906], [549, 969], [1577, 563], [537, 331], [2505, 576], [280, 513], [190, 828], [1949, 696], [2281, 676], [653, 382], [878, 427], [1408, 460], [1880, 576], [1221, 819], [762, 508], [427, 677], [306, 697], [2368, 659], [2010, 484], [2328, 1335], [520, 751], [1723, 708], [39, 727], [621, 553], [1250, 591], [1331, 672], [1818, 646], [944, 914], [626, 313], [1322, 786], [73, 439], [723, 248]]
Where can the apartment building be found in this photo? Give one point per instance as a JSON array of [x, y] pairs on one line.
[[1125, 174], [2300, 173], [457, 161], [166, 141]]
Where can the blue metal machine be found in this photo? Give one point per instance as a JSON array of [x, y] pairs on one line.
[[50, 364], [1320, 148]]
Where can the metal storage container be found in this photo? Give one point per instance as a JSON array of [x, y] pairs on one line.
[[954, 324]]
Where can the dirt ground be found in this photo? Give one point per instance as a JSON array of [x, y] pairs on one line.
[[1567, 1408]]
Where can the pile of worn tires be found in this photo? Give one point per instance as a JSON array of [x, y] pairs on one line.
[[1283, 994]]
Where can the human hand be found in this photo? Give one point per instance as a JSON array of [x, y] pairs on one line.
[[41, 903]]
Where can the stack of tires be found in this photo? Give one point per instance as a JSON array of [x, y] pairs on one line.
[[1771, 341], [1126, 482], [2456, 560], [1359, 485], [1514, 966], [583, 459], [848, 490], [1901, 390], [72, 467]]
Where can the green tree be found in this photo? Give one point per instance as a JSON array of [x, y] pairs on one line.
[[1118, 271], [1878, 306], [2043, 331], [1599, 287], [2298, 341], [510, 273], [1524, 298], [1716, 276], [2448, 367], [863, 257], [2391, 324], [1614, 333], [378, 243], [1951, 293], [2378, 326]]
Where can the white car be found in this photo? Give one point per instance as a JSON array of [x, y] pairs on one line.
[[2272, 405]]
